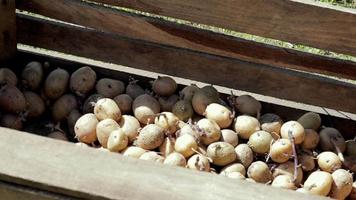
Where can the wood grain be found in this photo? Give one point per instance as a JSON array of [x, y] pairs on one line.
[[7, 30], [169, 33], [93, 174], [233, 73], [298, 21]]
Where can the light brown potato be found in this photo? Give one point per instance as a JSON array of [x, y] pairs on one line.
[[11, 99], [307, 162], [150, 137], [248, 105], [167, 147], [134, 152], [211, 131], [109, 88], [319, 183], [220, 114], [106, 108], [203, 97], [222, 153], [89, 103], [7, 76], [117, 141], [311, 139], [124, 102], [235, 167], [164, 86], [281, 150], [72, 118], [85, 128], [199, 162], [56, 83], [168, 121], [35, 106], [130, 125], [134, 90], [260, 142], [188, 92], [244, 155], [310, 120], [63, 106], [353, 191], [82, 81], [259, 172], [271, 123], [152, 156], [175, 159], [245, 126], [329, 137], [167, 103], [145, 108], [329, 161], [11, 121], [342, 184], [283, 181], [287, 168], [186, 144], [187, 129], [234, 175], [296, 130], [229, 136], [351, 147], [104, 129], [183, 110], [32, 75], [58, 136]]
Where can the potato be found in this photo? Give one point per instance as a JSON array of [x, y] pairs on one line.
[[351, 147], [164, 86], [117, 140], [329, 161], [271, 123], [350, 163], [56, 83], [72, 118], [145, 108], [134, 90], [32, 75], [281, 150], [199, 162], [35, 106], [353, 192], [222, 153], [331, 137], [295, 129], [167, 103], [63, 106], [211, 131], [109, 88], [104, 129], [203, 97], [124, 102], [302, 190], [150, 137], [186, 144], [318, 183], [58, 136], [260, 142], [7, 76], [287, 168], [235, 167], [85, 128], [307, 162], [152, 156], [235, 175], [248, 105], [311, 139], [245, 126], [11, 121], [81, 144], [259, 172], [82, 81], [130, 125], [220, 114], [188, 92], [310, 120], [283, 181], [244, 155], [342, 184], [89, 103], [175, 159], [183, 110], [106, 108], [187, 129], [229, 136], [134, 152], [11, 99], [167, 147], [168, 121]]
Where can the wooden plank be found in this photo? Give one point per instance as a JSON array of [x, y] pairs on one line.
[[93, 174], [168, 33], [270, 81], [298, 21], [7, 30]]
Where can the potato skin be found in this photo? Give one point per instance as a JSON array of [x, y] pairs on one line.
[[12, 99], [259, 172], [35, 106], [85, 128], [150, 137], [342, 184], [8, 76], [109, 88], [82, 81], [11, 121], [32, 75], [144, 108], [319, 183], [164, 86], [63, 106], [244, 155], [222, 153], [56, 83]]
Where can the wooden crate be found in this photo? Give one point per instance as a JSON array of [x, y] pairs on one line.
[[118, 43]]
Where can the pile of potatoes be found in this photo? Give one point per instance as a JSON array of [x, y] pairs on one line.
[[192, 128]]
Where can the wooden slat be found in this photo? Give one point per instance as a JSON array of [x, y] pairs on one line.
[[93, 174], [232, 73], [7, 30], [168, 33], [297, 21]]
